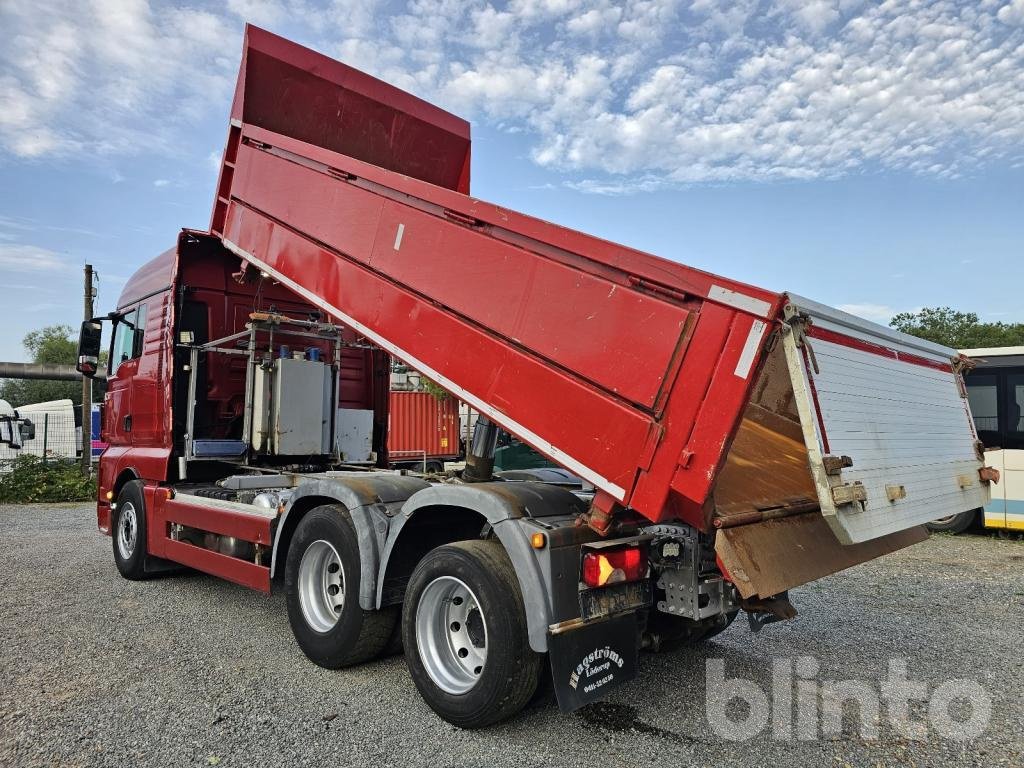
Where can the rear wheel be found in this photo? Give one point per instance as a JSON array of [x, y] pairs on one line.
[[322, 579], [465, 635], [128, 530], [954, 523]]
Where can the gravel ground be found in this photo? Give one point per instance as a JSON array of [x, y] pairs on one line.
[[191, 670]]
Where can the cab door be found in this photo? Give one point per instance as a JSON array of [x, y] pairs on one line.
[[149, 391], [125, 349]]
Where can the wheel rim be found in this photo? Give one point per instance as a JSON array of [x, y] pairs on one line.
[[127, 530], [451, 635], [321, 585]]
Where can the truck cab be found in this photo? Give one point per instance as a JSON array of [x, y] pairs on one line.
[[198, 292]]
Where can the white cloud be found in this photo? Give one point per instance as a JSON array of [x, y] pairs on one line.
[[1012, 12], [108, 76], [814, 15], [16, 257], [261, 12], [161, 182], [621, 96]]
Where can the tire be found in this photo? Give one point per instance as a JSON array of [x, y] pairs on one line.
[[332, 631], [670, 633], [498, 673], [128, 531], [954, 523], [435, 467]]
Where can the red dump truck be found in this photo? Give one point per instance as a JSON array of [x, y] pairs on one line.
[[733, 442]]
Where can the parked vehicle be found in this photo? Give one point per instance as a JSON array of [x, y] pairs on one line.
[[15, 430], [423, 431], [995, 389], [735, 442], [55, 433]]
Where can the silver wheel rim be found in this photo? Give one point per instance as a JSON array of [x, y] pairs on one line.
[[321, 585], [127, 530], [451, 635]]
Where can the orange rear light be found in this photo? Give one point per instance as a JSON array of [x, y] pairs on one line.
[[613, 566]]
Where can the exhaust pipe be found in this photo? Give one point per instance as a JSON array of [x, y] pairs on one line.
[[480, 456]]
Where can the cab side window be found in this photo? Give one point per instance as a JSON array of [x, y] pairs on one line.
[[129, 332]]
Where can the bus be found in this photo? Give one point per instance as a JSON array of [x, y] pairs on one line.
[[995, 390]]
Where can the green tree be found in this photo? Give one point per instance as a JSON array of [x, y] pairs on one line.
[[960, 330], [53, 344], [433, 388]]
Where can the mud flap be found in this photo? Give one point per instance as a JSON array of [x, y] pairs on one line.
[[590, 660], [767, 558]]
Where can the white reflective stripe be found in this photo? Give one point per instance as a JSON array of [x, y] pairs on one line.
[[750, 348], [739, 300], [398, 236], [515, 427]]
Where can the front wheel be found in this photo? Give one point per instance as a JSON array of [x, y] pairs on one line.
[[321, 579], [128, 530], [465, 635]]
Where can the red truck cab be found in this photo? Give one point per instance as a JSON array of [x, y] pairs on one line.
[[197, 291]]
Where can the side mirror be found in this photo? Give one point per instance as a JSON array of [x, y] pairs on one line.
[[89, 340]]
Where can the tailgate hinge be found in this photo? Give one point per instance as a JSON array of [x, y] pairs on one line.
[[850, 493], [834, 465], [961, 365], [799, 322]]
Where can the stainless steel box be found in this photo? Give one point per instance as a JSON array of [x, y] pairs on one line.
[[292, 408]]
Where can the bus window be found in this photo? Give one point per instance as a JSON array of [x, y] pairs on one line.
[[983, 396], [1015, 403]]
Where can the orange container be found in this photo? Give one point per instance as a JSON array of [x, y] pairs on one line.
[[421, 425]]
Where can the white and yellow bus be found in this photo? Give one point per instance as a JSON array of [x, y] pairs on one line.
[[995, 389]]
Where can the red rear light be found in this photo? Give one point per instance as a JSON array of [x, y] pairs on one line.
[[612, 566]]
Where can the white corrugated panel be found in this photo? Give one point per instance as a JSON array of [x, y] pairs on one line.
[[904, 425]]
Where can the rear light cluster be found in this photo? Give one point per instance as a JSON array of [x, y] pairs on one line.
[[613, 566]]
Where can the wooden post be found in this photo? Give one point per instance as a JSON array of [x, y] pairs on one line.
[[87, 384]]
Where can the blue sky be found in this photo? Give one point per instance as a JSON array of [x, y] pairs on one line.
[[870, 156]]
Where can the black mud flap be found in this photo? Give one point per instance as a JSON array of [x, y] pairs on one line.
[[590, 660]]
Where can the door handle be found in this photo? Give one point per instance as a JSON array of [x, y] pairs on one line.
[[128, 423]]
